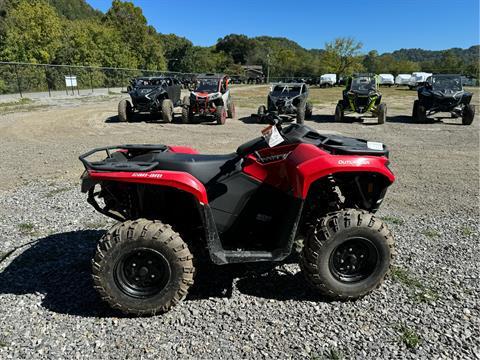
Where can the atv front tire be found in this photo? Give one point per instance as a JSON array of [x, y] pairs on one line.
[[419, 112], [142, 267], [339, 114], [220, 115], [124, 110], [468, 114], [301, 113], [308, 110], [382, 113], [231, 110], [167, 110], [347, 254], [262, 110]]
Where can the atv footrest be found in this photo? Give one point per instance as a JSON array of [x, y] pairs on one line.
[[232, 256]]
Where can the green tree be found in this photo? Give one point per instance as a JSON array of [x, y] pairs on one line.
[[342, 56], [32, 33], [174, 49], [141, 39], [237, 46]]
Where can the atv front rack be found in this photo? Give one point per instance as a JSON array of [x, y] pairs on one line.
[[116, 161]]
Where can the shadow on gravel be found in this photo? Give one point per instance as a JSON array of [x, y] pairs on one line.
[[259, 280], [58, 267]]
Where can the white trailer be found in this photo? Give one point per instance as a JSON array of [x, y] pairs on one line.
[[328, 80], [417, 79], [402, 79], [386, 79]]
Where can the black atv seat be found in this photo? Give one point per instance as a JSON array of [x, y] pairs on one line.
[[203, 167]]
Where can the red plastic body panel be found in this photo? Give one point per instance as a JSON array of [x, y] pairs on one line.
[[307, 163], [182, 149], [177, 179]]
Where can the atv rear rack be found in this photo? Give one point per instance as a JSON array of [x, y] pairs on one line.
[[114, 162]]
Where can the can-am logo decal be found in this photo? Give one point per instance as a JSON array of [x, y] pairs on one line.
[[147, 175], [357, 162]]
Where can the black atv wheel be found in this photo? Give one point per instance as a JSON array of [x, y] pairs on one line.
[[124, 110], [415, 110], [186, 113], [301, 113], [220, 115], [167, 110], [421, 113], [382, 113], [468, 114], [339, 114], [308, 110], [231, 110], [262, 110], [347, 254], [142, 267]]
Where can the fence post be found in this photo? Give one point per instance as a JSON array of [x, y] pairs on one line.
[[48, 83], [91, 81], [18, 80]]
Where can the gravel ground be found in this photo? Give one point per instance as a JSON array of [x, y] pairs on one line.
[[428, 308]]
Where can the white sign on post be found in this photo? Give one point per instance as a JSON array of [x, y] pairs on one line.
[[71, 81]]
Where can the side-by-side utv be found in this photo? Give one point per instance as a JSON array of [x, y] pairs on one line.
[[443, 93], [361, 95]]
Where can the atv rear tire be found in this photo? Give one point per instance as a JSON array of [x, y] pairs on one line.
[[347, 254], [231, 110], [301, 113], [220, 115], [262, 110], [382, 113], [468, 114], [142, 267], [167, 110], [339, 114], [124, 110], [308, 110]]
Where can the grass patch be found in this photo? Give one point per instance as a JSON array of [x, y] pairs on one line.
[[392, 220], [26, 228], [467, 231], [54, 192], [430, 233], [22, 101], [409, 337], [333, 354], [423, 293]]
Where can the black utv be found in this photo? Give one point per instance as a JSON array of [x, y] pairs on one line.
[[154, 95], [443, 93], [288, 100]]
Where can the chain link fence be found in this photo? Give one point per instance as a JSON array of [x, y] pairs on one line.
[[24, 78]]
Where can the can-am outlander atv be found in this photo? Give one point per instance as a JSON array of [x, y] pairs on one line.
[[287, 101], [174, 205], [211, 98], [444, 93], [361, 95], [154, 95]]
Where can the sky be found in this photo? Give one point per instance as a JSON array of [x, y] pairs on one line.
[[382, 25]]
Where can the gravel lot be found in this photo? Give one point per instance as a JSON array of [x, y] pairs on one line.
[[428, 308]]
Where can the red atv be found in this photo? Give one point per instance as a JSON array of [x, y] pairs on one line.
[[175, 205]]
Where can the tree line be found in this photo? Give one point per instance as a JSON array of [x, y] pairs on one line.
[[71, 32]]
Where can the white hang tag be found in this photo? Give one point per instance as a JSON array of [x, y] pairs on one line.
[[374, 145], [272, 136]]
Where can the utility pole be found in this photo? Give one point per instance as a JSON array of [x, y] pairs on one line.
[[268, 68]]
